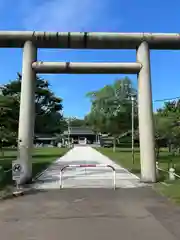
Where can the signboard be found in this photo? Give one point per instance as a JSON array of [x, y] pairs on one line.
[[17, 170]]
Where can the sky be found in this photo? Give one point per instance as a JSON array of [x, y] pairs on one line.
[[96, 16]]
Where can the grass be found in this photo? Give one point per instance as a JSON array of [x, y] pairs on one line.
[[170, 189], [123, 157], [41, 158]]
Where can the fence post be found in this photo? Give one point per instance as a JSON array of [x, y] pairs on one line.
[[114, 180], [157, 169], [60, 180], [172, 174]]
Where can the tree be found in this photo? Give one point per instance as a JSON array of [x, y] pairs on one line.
[[162, 132], [169, 108], [75, 122], [47, 106], [167, 128], [111, 108], [7, 120]]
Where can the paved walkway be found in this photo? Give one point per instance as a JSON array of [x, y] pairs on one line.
[[98, 177], [86, 214]]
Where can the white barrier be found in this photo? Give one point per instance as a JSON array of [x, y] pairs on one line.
[[90, 166], [171, 172]]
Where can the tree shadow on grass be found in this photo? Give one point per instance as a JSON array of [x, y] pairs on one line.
[[6, 163], [6, 180], [51, 155], [128, 150], [168, 158], [7, 158], [38, 167], [135, 171], [119, 150], [40, 163], [171, 160]]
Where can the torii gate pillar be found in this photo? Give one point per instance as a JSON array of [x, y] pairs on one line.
[[27, 110], [146, 123]]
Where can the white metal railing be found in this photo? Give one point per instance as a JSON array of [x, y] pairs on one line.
[[171, 172], [9, 170], [88, 166]]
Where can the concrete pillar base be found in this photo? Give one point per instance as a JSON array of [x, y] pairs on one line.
[[144, 180]]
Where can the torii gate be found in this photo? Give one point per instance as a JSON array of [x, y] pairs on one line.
[[142, 42]]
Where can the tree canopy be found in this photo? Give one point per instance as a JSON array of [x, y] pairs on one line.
[[48, 116], [110, 113], [167, 122], [111, 108]]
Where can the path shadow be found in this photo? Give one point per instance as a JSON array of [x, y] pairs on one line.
[[26, 192], [55, 156], [38, 167]]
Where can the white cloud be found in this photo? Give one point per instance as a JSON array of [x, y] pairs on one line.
[[68, 15]]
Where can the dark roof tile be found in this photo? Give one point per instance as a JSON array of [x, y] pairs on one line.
[[80, 131]]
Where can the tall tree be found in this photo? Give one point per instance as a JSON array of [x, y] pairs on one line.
[[47, 106], [111, 108], [8, 122], [167, 121], [76, 122]]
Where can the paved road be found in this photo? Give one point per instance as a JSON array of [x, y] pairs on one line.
[[98, 177], [87, 208], [86, 214]]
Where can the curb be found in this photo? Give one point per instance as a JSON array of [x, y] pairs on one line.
[[15, 194]]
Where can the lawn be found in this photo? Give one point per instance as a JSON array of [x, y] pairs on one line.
[[42, 157], [168, 188]]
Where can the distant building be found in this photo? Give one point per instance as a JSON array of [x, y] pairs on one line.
[[76, 135], [45, 139], [81, 135]]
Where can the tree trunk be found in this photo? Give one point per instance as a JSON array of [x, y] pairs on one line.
[[157, 152], [169, 147], [178, 150], [2, 151], [114, 144], [157, 148]]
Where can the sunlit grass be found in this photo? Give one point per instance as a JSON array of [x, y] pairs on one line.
[[123, 157], [42, 157]]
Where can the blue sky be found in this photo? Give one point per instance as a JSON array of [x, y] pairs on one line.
[[93, 15]]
